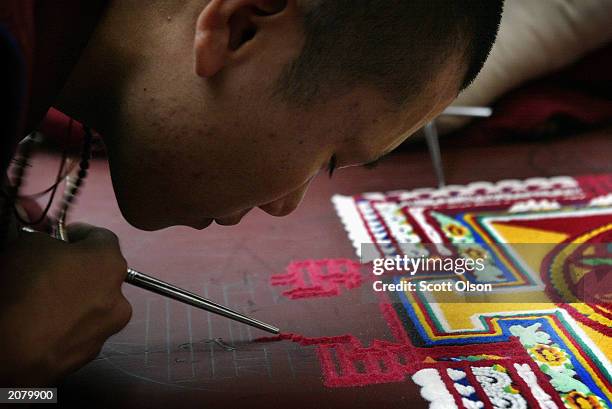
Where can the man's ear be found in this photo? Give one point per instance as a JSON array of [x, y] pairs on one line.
[[224, 26]]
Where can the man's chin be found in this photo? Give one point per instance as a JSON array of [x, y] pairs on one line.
[[221, 221], [204, 224], [147, 224], [158, 225], [232, 219]]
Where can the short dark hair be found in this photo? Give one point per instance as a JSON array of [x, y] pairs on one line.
[[393, 45]]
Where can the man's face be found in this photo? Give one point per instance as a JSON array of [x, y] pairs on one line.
[[195, 148]]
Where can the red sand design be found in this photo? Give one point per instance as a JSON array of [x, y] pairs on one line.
[[318, 278]]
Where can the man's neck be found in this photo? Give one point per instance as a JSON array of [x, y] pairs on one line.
[[93, 92], [62, 33], [127, 42]]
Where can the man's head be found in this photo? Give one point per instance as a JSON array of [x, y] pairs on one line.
[[396, 46], [228, 105]]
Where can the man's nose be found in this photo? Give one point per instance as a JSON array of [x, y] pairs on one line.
[[286, 204]]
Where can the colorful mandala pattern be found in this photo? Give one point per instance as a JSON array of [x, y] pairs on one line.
[[552, 352]]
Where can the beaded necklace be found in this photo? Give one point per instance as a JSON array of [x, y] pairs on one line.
[[71, 189]]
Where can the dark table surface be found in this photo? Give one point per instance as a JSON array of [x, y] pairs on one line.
[[149, 365]]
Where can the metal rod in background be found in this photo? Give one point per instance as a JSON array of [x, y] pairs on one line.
[[482, 112], [433, 143]]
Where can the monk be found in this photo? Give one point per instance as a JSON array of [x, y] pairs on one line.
[[208, 109]]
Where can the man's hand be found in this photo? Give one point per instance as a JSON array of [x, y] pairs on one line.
[[59, 302]]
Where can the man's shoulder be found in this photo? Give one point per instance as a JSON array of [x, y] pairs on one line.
[[12, 95], [16, 36]]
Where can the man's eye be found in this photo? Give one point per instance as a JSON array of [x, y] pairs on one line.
[[331, 166], [373, 164]]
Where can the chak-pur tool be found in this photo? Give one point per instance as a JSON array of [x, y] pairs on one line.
[[161, 287], [171, 291]]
